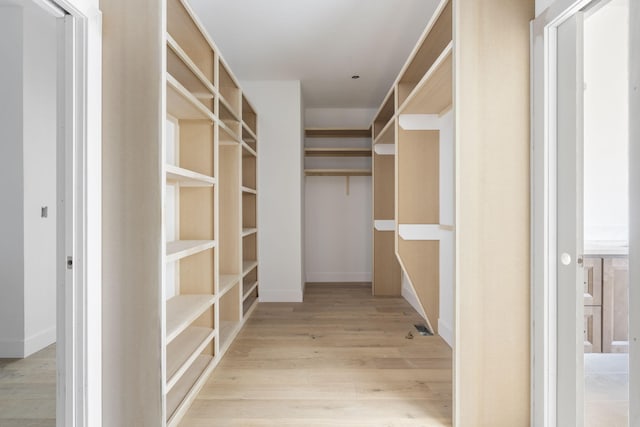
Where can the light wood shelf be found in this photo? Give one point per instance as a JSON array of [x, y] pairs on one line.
[[337, 152], [247, 266], [249, 190], [337, 172], [252, 286], [248, 151], [183, 105], [180, 66], [438, 34], [249, 231], [250, 303], [182, 310], [184, 350], [187, 178], [179, 249], [227, 281], [249, 137], [386, 112], [434, 93], [188, 387], [337, 133], [249, 117], [228, 330], [387, 136]]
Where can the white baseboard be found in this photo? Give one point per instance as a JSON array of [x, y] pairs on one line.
[[446, 332], [339, 277], [40, 340], [280, 295]]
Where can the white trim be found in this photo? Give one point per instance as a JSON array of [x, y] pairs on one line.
[[445, 331], [347, 276], [84, 318], [634, 205]]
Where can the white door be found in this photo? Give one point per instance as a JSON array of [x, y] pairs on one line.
[[569, 223]]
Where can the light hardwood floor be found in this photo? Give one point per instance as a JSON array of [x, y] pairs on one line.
[[28, 390], [341, 358]]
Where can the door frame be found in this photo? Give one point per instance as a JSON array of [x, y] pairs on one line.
[[79, 301], [544, 351]]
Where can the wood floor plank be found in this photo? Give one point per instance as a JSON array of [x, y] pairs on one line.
[[340, 358]]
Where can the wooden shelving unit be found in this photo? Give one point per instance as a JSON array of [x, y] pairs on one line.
[[210, 226], [406, 166], [335, 146], [387, 278]]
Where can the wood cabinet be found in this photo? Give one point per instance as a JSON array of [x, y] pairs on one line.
[[606, 304], [410, 125], [210, 227]]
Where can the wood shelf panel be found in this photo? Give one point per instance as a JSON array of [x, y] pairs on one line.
[[385, 114], [228, 330], [387, 276], [184, 350], [421, 261], [438, 34], [183, 248], [188, 178], [228, 281], [183, 105], [337, 152], [249, 190], [249, 117], [247, 266], [337, 133], [337, 172], [250, 288], [182, 310], [434, 93], [249, 231], [180, 66], [188, 386]]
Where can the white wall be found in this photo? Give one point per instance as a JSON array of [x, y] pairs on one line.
[[11, 215], [541, 5], [606, 124], [39, 178], [338, 225], [280, 251], [28, 123]]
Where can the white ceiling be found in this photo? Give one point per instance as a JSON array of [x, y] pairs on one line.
[[320, 42]]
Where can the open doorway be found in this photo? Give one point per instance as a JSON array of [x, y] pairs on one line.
[[585, 196], [50, 372], [606, 213], [29, 244]]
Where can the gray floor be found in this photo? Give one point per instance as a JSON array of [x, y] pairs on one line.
[[28, 390], [606, 390]]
